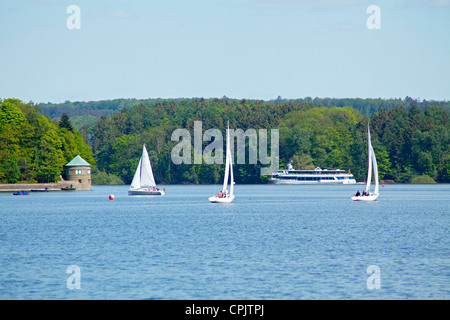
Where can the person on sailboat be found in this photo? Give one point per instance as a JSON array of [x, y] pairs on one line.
[[220, 195], [357, 193]]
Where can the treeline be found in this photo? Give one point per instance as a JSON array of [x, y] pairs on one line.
[[371, 105], [32, 147], [88, 112], [409, 142]]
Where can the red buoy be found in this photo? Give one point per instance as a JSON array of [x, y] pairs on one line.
[[111, 197]]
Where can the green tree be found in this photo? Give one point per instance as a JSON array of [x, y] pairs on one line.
[[65, 123], [302, 162]]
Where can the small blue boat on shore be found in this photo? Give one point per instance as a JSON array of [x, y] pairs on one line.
[[21, 193]]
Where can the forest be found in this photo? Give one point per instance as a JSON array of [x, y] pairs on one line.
[[32, 147], [410, 137], [88, 111]]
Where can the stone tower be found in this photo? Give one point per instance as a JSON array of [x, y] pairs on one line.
[[78, 174]]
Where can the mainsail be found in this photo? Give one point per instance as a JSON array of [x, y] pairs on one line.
[[372, 163], [375, 170], [228, 166], [367, 196], [144, 173]]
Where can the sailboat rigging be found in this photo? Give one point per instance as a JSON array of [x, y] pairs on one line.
[[224, 196]]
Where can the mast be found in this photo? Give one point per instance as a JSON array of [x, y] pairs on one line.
[[230, 160], [369, 156], [227, 161]]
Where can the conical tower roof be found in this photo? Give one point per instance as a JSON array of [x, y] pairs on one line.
[[78, 162]]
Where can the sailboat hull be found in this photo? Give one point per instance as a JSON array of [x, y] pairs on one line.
[[216, 199], [371, 197], [146, 192]]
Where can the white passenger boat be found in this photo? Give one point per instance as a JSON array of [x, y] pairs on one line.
[[316, 176]]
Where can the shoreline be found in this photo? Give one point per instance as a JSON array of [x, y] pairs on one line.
[[51, 186], [56, 186]]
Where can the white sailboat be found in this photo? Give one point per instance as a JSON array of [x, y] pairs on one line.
[[143, 183], [224, 196], [367, 195]]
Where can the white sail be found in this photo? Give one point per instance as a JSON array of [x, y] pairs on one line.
[[228, 196], [231, 173], [147, 179], [375, 171], [143, 181], [372, 164], [369, 167], [144, 173], [136, 183], [228, 166], [230, 161]]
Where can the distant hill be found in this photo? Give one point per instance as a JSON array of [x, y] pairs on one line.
[[86, 113]]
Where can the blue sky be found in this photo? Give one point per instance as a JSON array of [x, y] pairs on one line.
[[255, 49]]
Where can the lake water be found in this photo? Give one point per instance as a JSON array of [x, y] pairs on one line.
[[273, 242]]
